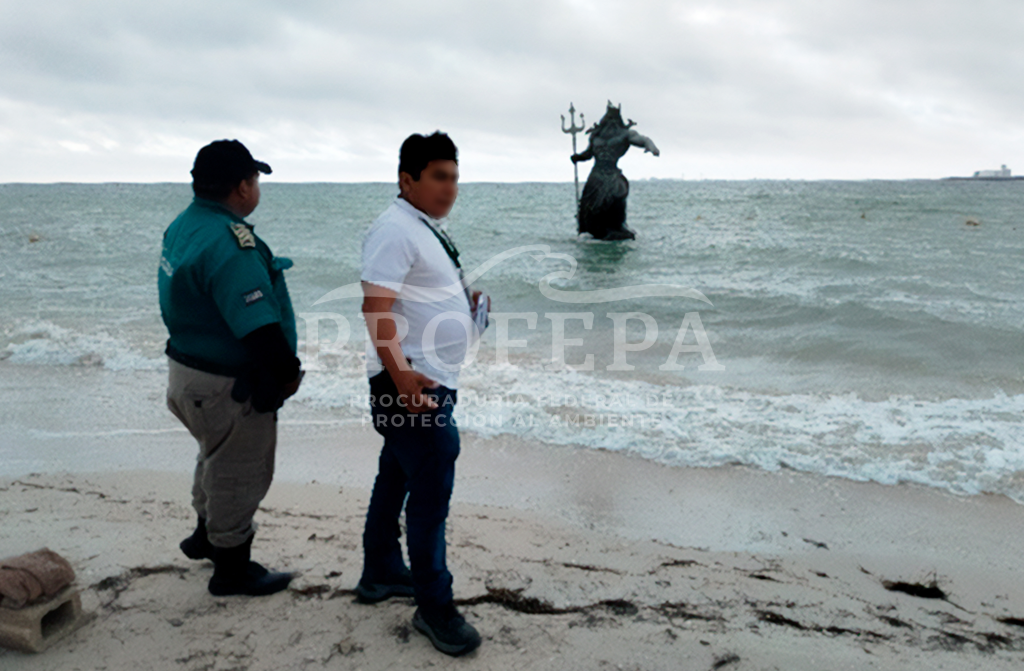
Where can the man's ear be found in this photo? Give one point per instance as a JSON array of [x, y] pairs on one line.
[[240, 191], [244, 188], [405, 181]]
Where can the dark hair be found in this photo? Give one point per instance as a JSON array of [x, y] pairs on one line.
[[218, 192], [417, 151]]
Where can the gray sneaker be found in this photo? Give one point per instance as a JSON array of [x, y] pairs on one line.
[[447, 630]]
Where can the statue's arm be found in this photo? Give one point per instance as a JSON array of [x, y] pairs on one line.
[[638, 140], [584, 155]]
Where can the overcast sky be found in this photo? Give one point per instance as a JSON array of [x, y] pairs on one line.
[[123, 90]]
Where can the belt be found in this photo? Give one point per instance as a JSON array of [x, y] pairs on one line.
[[202, 364]]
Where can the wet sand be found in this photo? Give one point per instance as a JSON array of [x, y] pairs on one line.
[[563, 558]]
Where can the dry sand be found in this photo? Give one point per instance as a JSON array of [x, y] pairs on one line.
[[564, 558]]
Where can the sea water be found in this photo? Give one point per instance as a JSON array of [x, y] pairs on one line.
[[870, 330]]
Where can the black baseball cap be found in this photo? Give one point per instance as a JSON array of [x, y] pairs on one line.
[[225, 163]]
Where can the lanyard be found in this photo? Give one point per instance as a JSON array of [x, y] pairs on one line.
[[446, 242], [453, 254]]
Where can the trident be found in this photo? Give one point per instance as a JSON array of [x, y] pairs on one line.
[[574, 129]]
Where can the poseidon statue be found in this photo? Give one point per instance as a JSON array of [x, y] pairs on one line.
[[602, 208]]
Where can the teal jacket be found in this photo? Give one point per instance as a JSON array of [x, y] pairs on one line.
[[218, 282]]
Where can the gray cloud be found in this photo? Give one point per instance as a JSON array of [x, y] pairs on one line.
[[327, 90]]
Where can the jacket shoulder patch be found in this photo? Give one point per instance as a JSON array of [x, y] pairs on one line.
[[245, 238], [253, 296]]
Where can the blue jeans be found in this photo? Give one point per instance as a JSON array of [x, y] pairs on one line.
[[418, 460]]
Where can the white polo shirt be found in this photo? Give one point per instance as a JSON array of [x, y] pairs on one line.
[[401, 253]]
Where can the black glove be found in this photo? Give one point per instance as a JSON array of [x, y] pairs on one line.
[[273, 367]]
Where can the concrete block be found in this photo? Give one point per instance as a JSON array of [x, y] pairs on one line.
[[38, 625]]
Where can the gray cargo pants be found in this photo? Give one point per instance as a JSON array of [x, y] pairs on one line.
[[236, 451]]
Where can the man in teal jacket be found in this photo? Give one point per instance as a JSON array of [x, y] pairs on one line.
[[231, 357]]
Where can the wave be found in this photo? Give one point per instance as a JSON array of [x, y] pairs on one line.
[[45, 343], [967, 446]]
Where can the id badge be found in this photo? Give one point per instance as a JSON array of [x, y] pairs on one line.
[[480, 314]]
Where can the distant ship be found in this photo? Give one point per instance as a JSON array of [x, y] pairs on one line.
[[1002, 174]]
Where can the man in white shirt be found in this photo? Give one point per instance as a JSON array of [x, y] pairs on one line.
[[420, 317]]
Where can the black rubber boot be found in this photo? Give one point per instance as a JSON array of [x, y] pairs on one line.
[[447, 630], [197, 546], [235, 574]]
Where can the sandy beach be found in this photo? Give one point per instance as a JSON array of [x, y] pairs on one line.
[[564, 558]]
